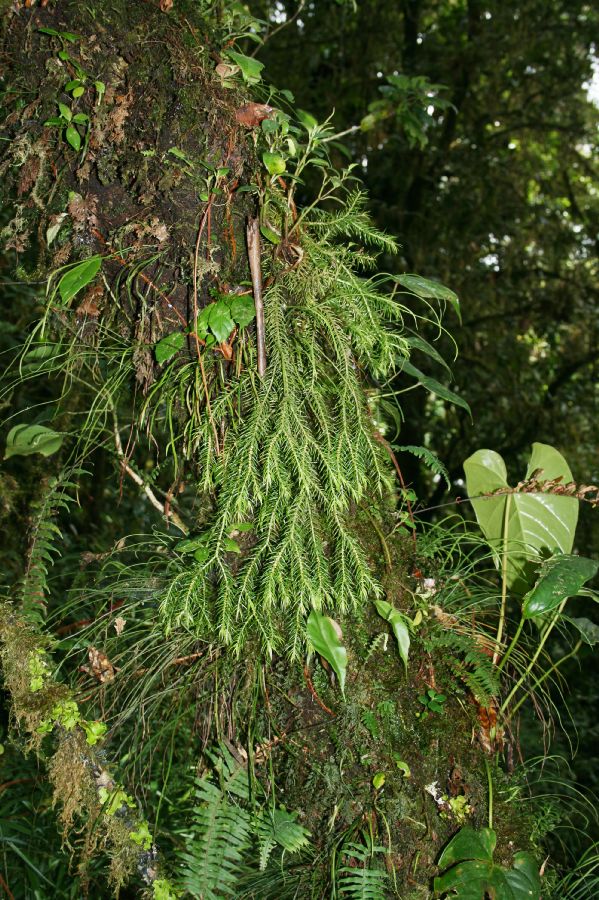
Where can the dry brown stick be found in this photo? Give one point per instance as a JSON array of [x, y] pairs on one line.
[[142, 484], [253, 239]]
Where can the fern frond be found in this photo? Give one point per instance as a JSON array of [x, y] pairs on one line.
[[364, 881], [430, 459]]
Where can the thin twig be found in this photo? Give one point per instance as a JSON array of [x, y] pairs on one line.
[[253, 239], [379, 437], [276, 30], [176, 519]]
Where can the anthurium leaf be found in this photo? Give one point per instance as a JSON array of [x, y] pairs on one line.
[[399, 624], [243, 310], [24, 440], [274, 162], [475, 879], [537, 522], [220, 321], [524, 878], [434, 386], [78, 277], [430, 290], [560, 577], [166, 348], [323, 634], [469, 843], [589, 631]]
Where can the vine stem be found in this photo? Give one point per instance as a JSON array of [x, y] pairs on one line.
[[490, 784], [253, 241], [196, 255], [534, 659], [504, 562]]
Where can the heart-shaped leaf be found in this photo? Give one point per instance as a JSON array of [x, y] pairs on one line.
[[323, 634], [168, 346], [78, 277], [537, 521], [469, 843], [399, 624], [560, 577], [220, 321], [243, 310], [24, 440]]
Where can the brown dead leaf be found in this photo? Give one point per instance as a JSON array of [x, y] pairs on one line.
[[89, 306], [251, 114], [166, 5], [99, 665], [225, 70], [28, 175], [119, 624]]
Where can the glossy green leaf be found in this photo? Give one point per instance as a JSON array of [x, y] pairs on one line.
[[270, 235], [430, 290], [65, 111], [274, 162], [434, 386], [469, 843], [78, 277], [322, 632], [168, 346], [73, 137], [78, 92], [243, 310], [24, 440], [560, 577], [250, 67], [537, 522], [399, 624], [220, 321]]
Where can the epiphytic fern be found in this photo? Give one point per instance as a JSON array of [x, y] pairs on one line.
[[44, 535], [364, 878], [468, 662]]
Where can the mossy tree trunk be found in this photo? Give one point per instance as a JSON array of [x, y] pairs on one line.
[[126, 137]]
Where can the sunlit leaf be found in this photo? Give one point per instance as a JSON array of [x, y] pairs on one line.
[[274, 162], [250, 67]]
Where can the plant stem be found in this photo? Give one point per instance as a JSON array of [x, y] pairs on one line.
[[490, 784], [504, 562], [513, 643], [532, 663], [547, 674]]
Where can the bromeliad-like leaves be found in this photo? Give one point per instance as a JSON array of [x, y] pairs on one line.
[[536, 521], [561, 577], [470, 872], [323, 634]]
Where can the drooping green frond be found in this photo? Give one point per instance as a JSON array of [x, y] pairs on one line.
[[274, 827]]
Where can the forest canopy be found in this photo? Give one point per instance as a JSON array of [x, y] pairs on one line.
[[299, 478]]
